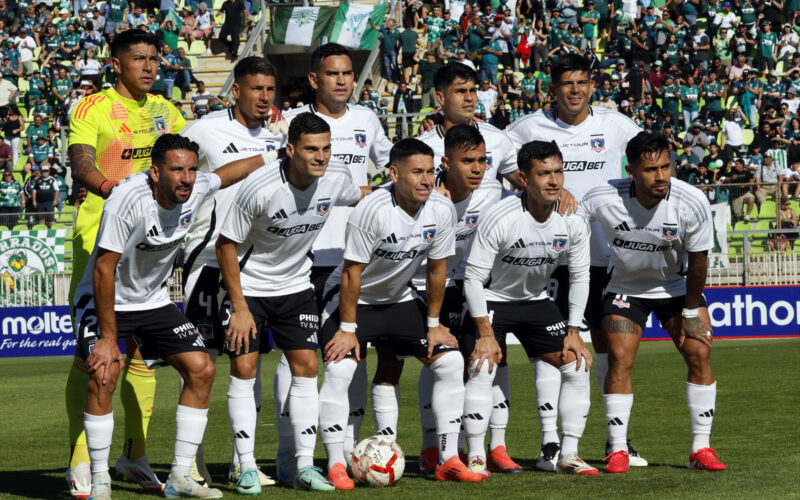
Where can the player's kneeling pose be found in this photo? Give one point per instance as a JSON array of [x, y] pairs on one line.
[[141, 228], [388, 235], [519, 243], [659, 230]]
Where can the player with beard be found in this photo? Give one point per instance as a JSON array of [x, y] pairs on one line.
[[357, 137], [252, 126], [659, 230], [592, 141]]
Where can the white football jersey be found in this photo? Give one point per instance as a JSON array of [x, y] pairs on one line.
[[468, 214], [393, 244], [592, 151], [356, 137], [649, 247], [222, 140], [522, 253], [276, 224], [147, 237], [501, 155]]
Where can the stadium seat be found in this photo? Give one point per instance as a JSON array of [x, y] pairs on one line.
[[753, 213], [37, 227], [735, 249], [747, 135], [767, 210], [741, 226], [795, 205], [20, 227], [65, 218], [21, 161], [758, 247], [3, 228], [198, 48], [764, 226], [18, 177]]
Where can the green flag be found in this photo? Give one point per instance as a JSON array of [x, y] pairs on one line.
[[352, 27], [173, 16], [301, 25]]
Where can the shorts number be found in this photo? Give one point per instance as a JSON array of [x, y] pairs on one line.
[[204, 300], [88, 324], [552, 289]]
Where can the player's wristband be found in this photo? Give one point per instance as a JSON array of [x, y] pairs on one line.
[[106, 187], [347, 327], [689, 313], [432, 322]]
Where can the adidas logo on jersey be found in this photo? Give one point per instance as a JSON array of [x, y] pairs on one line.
[[518, 244], [124, 129], [279, 215], [390, 239], [623, 227], [153, 231], [231, 149]]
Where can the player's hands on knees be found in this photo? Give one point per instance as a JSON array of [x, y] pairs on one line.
[[568, 204], [440, 335], [573, 342], [105, 353], [486, 349], [695, 328], [241, 328], [342, 343]]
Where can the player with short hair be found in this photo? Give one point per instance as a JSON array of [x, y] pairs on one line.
[[463, 151], [659, 231], [592, 141], [140, 232], [370, 300], [264, 256], [519, 243], [357, 137], [253, 125], [111, 135]]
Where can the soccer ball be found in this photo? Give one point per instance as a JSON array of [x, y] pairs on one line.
[[378, 461]]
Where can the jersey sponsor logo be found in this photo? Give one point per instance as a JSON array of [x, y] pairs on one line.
[[639, 245], [559, 242], [597, 144], [463, 236], [471, 220], [146, 247], [622, 226], [428, 234], [401, 255], [160, 124], [361, 138], [350, 158], [136, 153], [581, 166], [669, 231], [230, 149], [528, 261], [308, 321], [291, 231], [186, 220], [556, 329], [323, 206]]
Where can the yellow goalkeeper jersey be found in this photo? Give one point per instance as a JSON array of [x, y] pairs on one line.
[[123, 132]]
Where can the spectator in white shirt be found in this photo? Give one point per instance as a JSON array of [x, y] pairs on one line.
[[791, 100], [25, 44], [732, 134]]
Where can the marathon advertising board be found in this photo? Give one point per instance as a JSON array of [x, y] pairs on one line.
[[736, 313]]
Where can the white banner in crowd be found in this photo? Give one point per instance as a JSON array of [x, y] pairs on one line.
[[718, 257]]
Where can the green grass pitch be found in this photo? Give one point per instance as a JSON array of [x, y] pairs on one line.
[[756, 431]]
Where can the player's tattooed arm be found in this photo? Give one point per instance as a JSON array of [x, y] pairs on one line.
[[695, 327], [84, 169]]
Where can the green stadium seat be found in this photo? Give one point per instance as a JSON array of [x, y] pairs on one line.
[[795, 205], [18, 177], [198, 48], [758, 247], [741, 226], [3, 228], [762, 225], [64, 218], [21, 161], [747, 135], [68, 209], [20, 227], [767, 210], [37, 227], [735, 249]]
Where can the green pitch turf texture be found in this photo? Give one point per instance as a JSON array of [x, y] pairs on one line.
[[756, 431]]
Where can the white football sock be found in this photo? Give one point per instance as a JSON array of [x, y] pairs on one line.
[[477, 407], [573, 405], [448, 401], [701, 400], [190, 425], [242, 414], [334, 407], [386, 409], [600, 370], [548, 387], [426, 420], [304, 414], [99, 431], [618, 414], [357, 397], [280, 390], [501, 404], [257, 394]]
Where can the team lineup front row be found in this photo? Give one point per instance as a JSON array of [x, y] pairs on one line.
[[412, 258]]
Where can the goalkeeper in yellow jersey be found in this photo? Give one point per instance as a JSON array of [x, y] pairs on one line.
[[110, 137]]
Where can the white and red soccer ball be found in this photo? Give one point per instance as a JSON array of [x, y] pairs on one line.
[[378, 461]]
